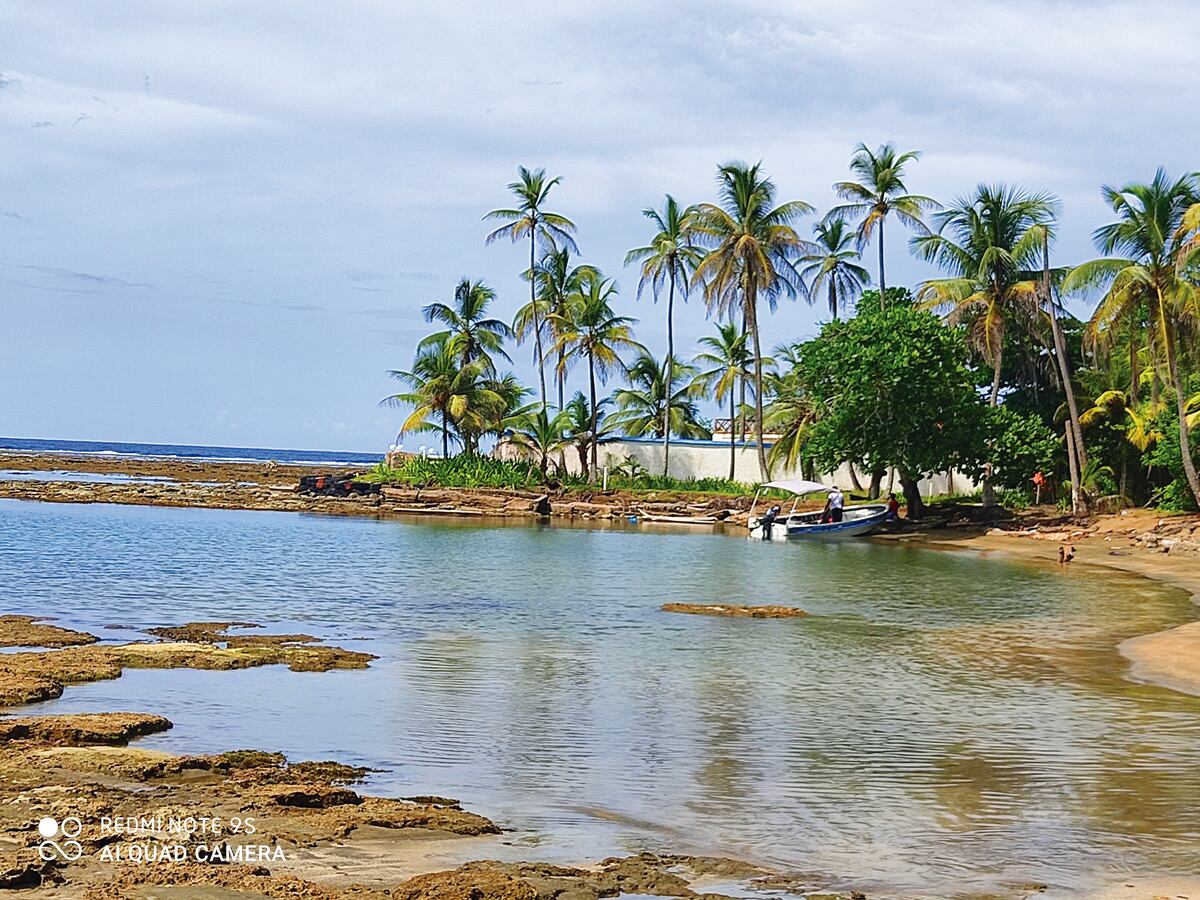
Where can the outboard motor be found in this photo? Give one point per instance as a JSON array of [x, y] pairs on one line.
[[767, 522]]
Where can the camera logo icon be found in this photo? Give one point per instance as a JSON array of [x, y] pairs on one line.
[[68, 830]]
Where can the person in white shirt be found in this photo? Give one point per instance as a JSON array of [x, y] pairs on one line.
[[833, 506]]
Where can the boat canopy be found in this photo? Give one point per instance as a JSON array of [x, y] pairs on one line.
[[798, 486]]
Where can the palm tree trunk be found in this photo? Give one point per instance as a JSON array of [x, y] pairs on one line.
[[882, 283], [751, 300], [668, 371], [1133, 372], [445, 437], [1073, 466], [537, 322], [732, 436], [994, 397], [742, 389], [592, 390], [832, 300], [1185, 443], [1076, 447]]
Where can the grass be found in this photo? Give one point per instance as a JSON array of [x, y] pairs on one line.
[[485, 472]]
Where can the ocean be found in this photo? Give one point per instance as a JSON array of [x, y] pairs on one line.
[[191, 451]]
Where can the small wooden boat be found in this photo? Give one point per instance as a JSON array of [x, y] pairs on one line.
[[856, 520]]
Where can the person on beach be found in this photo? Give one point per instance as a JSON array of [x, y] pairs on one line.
[[893, 509], [833, 506]]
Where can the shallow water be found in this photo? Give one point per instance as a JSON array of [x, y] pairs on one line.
[[939, 724]]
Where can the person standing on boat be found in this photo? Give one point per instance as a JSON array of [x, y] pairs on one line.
[[833, 506]]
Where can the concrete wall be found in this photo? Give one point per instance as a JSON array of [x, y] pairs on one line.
[[710, 459]]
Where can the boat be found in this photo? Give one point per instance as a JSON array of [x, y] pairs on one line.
[[856, 520]]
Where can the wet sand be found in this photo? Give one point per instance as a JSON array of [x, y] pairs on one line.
[[1126, 543]]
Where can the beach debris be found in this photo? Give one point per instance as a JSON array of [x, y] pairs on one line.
[[725, 609]]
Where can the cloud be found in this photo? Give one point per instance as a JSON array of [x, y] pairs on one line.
[[281, 159]]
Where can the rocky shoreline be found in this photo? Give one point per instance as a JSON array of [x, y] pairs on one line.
[[249, 823]]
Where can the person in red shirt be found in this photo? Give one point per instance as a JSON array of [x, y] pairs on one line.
[[893, 508]]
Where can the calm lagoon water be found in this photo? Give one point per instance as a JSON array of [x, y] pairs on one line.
[[940, 724]]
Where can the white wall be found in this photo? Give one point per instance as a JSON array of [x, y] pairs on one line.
[[695, 459]]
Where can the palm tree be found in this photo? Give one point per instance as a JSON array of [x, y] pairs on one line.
[[586, 425], [791, 414], [530, 219], [556, 279], [989, 243], [1151, 233], [669, 259], [468, 333], [539, 434], [752, 243], [1115, 408], [447, 395], [829, 264], [591, 331], [724, 361], [647, 406], [879, 192]]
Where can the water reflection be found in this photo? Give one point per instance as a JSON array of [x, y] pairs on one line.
[[939, 723]]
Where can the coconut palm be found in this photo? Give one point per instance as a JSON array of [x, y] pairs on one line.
[[647, 406], [586, 425], [539, 434], [1150, 233], [668, 260], [530, 219], [879, 192], [468, 332], [556, 279], [791, 414], [723, 362], [989, 243], [753, 242], [589, 330], [829, 265], [447, 396]]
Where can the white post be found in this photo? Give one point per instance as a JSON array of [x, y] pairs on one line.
[[605, 478]]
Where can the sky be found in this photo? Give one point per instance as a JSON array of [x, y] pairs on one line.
[[219, 220]]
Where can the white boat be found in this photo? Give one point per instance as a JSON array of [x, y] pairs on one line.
[[856, 520]]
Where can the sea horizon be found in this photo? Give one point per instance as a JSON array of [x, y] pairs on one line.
[[207, 452]]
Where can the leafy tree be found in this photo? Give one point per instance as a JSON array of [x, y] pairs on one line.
[[724, 361], [829, 264], [989, 244], [1020, 445], [468, 332], [892, 389], [879, 192], [643, 408], [1151, 232], [590, 331], [668, 260], [753, 242], [530, 219]]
